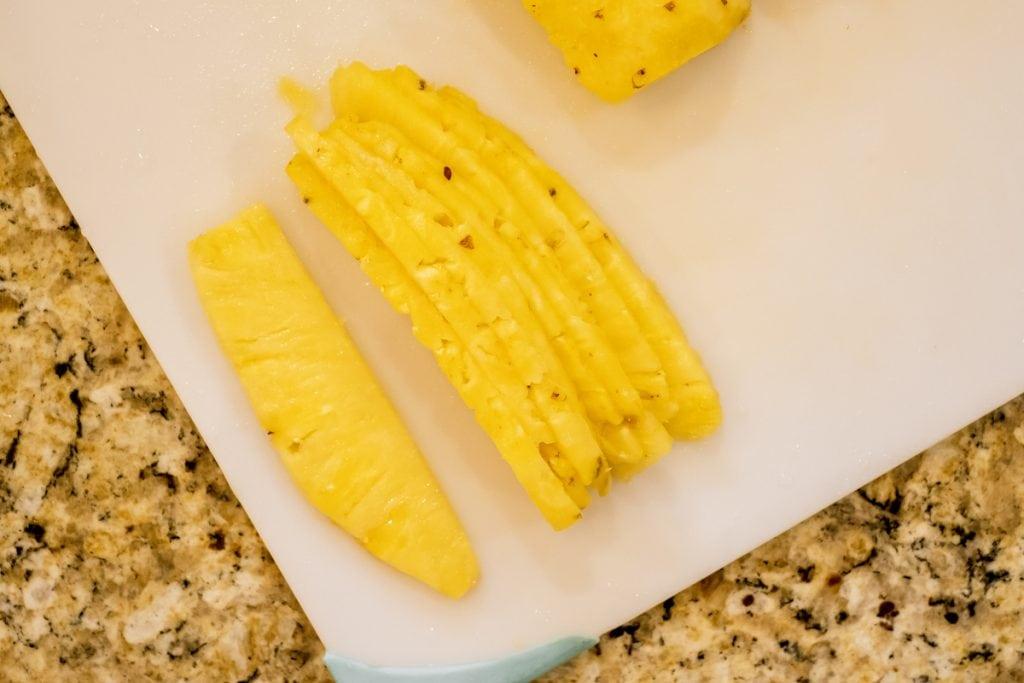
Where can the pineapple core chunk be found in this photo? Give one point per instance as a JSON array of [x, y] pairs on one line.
[[338, 435], [616, 47]]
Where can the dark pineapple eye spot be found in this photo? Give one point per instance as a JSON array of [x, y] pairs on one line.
[[447, 173]]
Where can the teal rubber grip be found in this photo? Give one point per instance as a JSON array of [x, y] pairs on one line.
[[521, 667]]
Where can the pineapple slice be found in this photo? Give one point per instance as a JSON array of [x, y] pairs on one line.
[[334, 428], [616, 47], [492, 404]]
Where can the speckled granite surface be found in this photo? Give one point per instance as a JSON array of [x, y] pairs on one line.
[[124, 555]]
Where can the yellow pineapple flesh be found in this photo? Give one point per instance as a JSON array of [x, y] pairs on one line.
[[496, 414], [697, 411], [617, 47], [334, 428], [563, 348]]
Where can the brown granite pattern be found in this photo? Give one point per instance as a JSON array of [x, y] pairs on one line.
[[125, 557], [918, 576], [123, 553]]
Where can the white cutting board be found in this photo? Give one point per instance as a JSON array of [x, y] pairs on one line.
[[832, 202]]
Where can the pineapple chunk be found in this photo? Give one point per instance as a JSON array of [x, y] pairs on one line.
[[333, 426], [616, 47], [493, 406]]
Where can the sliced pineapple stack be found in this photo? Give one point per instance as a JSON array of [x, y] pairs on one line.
[[564, 350]]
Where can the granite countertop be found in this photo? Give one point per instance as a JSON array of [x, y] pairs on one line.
[[125, 556]]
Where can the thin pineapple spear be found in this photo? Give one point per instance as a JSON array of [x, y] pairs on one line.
[[492, 407], [333, 426]]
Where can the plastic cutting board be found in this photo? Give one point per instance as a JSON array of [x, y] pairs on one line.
[[831, 201]]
